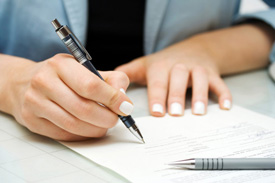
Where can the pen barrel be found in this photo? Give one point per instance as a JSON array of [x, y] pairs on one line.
[[72, 46], [90, 66], [128, 121], [79, 55], [235, 164]]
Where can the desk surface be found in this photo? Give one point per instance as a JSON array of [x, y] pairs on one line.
[[27, 157]]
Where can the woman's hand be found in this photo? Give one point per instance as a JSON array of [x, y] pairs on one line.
[[170, 72], [59, 98], [199, 62]]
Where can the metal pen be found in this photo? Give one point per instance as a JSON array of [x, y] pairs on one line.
[[84, 58], [226, 164]]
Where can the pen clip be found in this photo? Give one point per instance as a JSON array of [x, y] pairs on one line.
[[63, 31], [88, 56]]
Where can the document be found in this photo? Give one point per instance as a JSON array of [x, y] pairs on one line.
[[237, 133]]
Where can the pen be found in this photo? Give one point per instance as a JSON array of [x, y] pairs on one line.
[[83, 57], [226, 163]]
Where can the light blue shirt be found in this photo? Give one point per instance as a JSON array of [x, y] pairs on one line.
[[26, 30]]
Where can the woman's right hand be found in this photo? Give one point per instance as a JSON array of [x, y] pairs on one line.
[[59, 98]]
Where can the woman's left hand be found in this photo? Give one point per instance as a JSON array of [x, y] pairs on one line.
[[169, 72]]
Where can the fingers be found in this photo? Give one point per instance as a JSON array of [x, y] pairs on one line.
[[179, 77], [64, 120], [199, 90], [218, 87], [135, 70], [35, 107], [81, 108], [89, 86], [157, 82], [116, 79], [44, 127]]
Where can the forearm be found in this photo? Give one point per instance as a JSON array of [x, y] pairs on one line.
[[9, 69], [239, 48]]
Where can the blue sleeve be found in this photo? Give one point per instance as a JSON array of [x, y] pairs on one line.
[[267, 16]]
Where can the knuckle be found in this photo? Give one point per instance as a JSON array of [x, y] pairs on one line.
[[181, 67], [60, 56], [157, 64], [112, 121], [90, 86], [83, 109], [54, 61], [159, 84], [29, 98], [122, 77], [115, 97], [215, 78], [41, 81], [38, 79], [70, 124], [226, 92], [176, 94], [200, 69], [58, 60]]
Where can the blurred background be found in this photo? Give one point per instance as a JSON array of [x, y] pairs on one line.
[[249, 6]]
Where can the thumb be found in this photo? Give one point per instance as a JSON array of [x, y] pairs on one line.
[[135, 70]]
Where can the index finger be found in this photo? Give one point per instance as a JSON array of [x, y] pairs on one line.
[[157, 81], [88, 85]]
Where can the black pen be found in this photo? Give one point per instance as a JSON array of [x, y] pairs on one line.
[[83, 57]]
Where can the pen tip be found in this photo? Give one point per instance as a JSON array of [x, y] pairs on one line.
[[143, 141]]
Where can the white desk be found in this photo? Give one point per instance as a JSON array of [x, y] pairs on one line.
[[26, 157]]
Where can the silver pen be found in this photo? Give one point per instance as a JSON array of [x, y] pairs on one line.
[[226, 164], [83, 57]]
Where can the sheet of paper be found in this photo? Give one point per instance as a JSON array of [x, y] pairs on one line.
[[235, 133]]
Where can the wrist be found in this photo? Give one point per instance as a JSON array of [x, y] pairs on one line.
[[14, 75]]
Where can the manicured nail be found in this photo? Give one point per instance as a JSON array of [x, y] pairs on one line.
[[199, 108], [176, 108], [122, 90], [226, 104], [157, 108], [126, 108]]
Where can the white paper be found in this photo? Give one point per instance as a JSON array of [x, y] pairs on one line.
[[236, 133]]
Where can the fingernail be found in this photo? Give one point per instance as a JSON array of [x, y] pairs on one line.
[[157, 108], [199, 108], [122, 90], [226, 104], [126, 108], [176, 108]]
